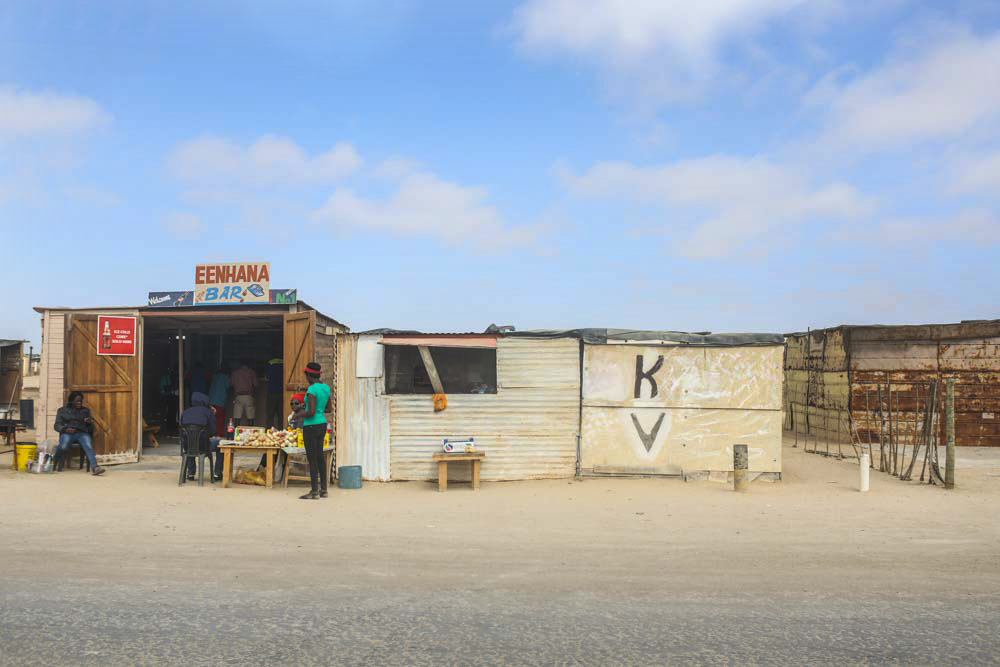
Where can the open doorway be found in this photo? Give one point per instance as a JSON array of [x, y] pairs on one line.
[[181, 355]]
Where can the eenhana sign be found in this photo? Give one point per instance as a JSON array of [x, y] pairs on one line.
[[243, 282]]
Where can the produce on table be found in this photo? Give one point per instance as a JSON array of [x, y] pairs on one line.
[[273, 438]]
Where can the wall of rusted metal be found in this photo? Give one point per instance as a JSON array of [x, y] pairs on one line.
[[908, 358], [832, 371]]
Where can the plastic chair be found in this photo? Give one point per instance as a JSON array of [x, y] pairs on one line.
[[195, 433]]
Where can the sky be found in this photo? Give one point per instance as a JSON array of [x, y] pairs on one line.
[[726, 165]]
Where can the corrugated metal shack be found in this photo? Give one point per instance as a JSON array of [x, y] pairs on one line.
[[670, 403], [554, 403], [519, 397], [832, 378]]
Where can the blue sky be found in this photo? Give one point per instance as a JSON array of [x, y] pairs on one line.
[[765, 165]]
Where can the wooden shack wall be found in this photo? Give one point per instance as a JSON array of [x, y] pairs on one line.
[[817, 384], [910, 357], [51, 390]]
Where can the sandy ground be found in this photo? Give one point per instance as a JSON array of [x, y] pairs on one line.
[[131, 569]]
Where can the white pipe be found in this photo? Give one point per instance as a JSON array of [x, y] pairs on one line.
[[863, 465]]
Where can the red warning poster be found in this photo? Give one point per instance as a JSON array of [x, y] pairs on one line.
[[116, 336]]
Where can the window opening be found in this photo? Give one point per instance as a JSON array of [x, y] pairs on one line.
[[463, 370]]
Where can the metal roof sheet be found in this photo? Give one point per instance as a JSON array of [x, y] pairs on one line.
[[605, 336]]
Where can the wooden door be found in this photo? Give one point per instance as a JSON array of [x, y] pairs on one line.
[[300, 346], [110, 387]]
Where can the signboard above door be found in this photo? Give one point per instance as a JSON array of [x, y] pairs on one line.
[[186, 298], [225, 284]]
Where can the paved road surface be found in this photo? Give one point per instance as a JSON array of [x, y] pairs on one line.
[[125, 570], [192, 623]]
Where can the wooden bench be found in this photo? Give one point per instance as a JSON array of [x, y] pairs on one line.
[[475, 458], [151, 431], [300, 451]]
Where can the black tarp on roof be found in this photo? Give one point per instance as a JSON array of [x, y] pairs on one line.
[[604, 336]]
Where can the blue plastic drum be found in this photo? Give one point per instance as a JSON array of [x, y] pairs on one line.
[[349, 477]]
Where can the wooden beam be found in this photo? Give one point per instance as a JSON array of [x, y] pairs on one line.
[[425, 354]]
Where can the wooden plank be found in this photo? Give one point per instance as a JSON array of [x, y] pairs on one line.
[[227, 466], [269, 477], [442, 475], [432, 373], [298, 349], [474, 456]]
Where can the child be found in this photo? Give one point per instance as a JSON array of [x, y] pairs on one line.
[[296, 403], [298, 400]]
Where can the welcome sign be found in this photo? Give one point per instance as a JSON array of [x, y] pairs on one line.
[[241, 282]]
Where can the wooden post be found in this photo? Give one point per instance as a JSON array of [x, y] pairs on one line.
[[431, 369], [740, 463], [949, 461], [863, 472], [442, 475], [180, 378]]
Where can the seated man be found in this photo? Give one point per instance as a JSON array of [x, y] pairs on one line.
[[74, 424], [200, 414]]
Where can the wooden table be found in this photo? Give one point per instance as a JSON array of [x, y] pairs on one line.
[[8, 430], [229, 448], [295, 451], [475, 458]]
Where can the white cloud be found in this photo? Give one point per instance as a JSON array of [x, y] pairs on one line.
[[396, 167], [940, 92], [184, 226], [426, 205], [730, 201], [979, 174], [268, 161], [31, 114], [662, 49], [970, 226]]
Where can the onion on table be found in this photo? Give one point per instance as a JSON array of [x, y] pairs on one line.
[[272, 439]]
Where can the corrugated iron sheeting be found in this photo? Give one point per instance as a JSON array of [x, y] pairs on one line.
[[908, 358], [363, 417], [528, 429]]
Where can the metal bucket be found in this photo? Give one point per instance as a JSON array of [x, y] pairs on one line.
[[349, 477]]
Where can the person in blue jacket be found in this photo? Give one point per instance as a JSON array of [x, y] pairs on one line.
[[201, 414]]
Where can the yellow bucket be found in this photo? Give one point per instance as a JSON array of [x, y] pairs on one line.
[[24, 454]]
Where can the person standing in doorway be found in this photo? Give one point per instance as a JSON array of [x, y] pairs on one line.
[[314, 429], [168, 394], [197, 379], [244, 382], [218, 395], [75, 424], [275, 393]]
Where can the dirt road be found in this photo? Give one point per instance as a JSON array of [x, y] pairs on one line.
[[130, 569]]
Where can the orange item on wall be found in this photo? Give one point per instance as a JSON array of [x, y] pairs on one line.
[[440, 402]]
